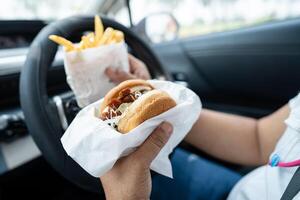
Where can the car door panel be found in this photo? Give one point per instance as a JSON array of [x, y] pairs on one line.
[[180, 65], [251, 71]]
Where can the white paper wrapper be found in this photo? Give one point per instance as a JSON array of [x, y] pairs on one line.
[[85, 70], [95, 146]]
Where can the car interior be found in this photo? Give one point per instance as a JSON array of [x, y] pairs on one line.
[[237, 62]]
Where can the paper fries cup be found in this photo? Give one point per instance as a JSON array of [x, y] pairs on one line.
[[85, 70]]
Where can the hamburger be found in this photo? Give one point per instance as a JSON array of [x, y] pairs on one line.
[[131, 103]]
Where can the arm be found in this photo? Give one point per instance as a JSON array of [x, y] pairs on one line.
[[238, 139]]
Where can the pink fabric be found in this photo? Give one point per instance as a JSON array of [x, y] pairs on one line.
[[289, 164]]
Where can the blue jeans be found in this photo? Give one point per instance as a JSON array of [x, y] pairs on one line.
[[194, 178]]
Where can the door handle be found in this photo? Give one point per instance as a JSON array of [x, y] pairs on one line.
[[181, 79]]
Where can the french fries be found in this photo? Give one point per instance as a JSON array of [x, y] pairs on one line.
[[107, 36], [92, 39], [119, 36], [62, 41], [98, 28]]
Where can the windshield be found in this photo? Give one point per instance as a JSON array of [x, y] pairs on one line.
[[46, 9]]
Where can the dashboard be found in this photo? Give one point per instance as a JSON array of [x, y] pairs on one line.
[[16, 145], [7, 42]]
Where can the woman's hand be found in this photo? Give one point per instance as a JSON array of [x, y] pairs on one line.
[[137, 70], [130, 177]]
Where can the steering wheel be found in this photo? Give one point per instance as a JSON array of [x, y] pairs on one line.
[[43, 117]]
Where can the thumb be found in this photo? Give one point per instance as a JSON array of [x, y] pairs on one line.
[[154, 143], [117, 75]]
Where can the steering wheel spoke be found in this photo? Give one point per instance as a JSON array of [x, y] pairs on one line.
[[67, 108]]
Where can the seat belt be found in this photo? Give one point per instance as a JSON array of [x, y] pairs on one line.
[[293, 187]]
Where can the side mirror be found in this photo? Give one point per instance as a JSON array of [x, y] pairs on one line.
[[158, 27]]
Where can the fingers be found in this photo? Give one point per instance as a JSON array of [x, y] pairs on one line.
[[154, 143], [117, 75], [131, 58], [138, 68], [142, 73], [135, 63]]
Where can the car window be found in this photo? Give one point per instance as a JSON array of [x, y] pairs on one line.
[[45, 9], [120, 13], [199, 17]]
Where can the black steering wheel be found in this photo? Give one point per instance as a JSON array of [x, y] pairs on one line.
[[43, 117]]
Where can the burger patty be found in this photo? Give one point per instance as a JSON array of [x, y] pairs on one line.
[[125, 96]]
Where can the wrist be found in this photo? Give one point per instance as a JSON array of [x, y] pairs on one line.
[[117, 194], [124, 197]]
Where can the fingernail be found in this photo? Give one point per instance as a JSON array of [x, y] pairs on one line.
[[167, 128]]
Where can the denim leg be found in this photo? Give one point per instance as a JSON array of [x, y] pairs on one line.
[[194, 178]]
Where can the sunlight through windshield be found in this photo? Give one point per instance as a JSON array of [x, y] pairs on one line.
[[45, 9]]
